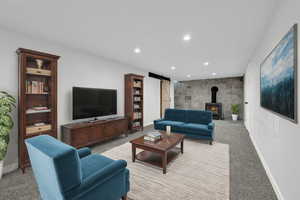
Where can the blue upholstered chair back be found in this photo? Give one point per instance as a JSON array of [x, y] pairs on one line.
[[175, 115], [198, 116], [55, 165]]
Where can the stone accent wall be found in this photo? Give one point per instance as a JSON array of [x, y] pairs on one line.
[[194, 94]]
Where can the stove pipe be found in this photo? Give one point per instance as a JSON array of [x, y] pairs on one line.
[[214, 91]]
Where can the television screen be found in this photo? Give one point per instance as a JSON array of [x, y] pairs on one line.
[[92, 102]]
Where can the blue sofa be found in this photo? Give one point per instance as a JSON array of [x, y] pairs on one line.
[[63, 173], [193, 123]]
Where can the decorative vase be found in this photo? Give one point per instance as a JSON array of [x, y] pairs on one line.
[[1, 168], [39, 63], [234, 117], [168, 128]]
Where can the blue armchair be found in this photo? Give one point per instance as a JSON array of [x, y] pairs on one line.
[[64, 173]]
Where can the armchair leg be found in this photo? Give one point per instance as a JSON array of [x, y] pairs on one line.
[[124, 197]]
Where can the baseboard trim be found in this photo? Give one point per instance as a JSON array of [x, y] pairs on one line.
[[149, 124], [267, 169], [10, 168]]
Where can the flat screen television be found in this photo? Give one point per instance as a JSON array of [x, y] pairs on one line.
[[92, 102]]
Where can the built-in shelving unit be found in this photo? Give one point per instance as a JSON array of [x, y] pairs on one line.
[[134, 101], [37, 98]]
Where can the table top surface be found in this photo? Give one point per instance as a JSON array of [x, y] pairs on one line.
[[164, 144]]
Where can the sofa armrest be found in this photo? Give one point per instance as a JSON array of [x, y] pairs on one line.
[[104, 174], [84, 152], [211, 125], [158, 120]]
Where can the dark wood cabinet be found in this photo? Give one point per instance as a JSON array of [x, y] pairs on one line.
[[134, 101], [88, 133], [37, 98]]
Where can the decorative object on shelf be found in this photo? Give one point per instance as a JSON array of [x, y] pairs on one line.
[[137, 84], [134, 86], [235, 109], [278, 78], [168, 130], [38, 109], [35, 71], [39, 63], [37, 129], [37, 98], [7, 103]]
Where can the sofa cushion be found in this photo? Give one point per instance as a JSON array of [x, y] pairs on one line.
[[162, 124], [175, 115], [91, 164], [198, 116], [200, 129]]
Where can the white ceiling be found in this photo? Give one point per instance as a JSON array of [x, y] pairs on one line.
[[224, 32]]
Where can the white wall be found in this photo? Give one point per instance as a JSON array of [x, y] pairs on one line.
[[172, 94], [276, 139], [75, 68]]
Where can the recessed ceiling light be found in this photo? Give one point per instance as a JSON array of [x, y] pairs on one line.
[[137, 50], [206, 63], [214, 73], [173, 68], [187, 37], [189, 76]]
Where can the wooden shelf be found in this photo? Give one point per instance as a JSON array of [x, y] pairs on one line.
[[38, 73], [31, 111], [133, 83], [41, 75], [46, 93], [48, 132]]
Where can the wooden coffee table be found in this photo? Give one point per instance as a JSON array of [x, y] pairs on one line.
[[158, 153]]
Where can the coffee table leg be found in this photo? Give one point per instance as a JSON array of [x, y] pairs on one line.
[[133, 152], [164, 162], [181, 146]]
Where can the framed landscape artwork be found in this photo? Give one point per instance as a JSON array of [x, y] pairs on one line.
[[278, 78]]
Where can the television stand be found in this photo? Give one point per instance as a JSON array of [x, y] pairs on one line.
[[83, 134], [93, 120]]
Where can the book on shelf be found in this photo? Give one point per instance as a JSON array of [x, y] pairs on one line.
[[137, 92], [137, 115], [35, 87], [136, 124], [137, 99]]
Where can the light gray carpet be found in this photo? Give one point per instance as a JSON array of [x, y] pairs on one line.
[[201, 172], [248, 180]]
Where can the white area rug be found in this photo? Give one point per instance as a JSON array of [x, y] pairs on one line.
[[201, 173]]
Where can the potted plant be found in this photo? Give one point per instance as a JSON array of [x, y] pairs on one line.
[[235, 108], [7, 103]]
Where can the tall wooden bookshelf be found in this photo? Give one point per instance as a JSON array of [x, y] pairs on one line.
[[37, 98], [134, 101]]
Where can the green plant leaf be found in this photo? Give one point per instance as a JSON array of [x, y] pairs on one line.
[[7, 103], [6, 120], [235, 108], [4, 131], [3, 148]]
